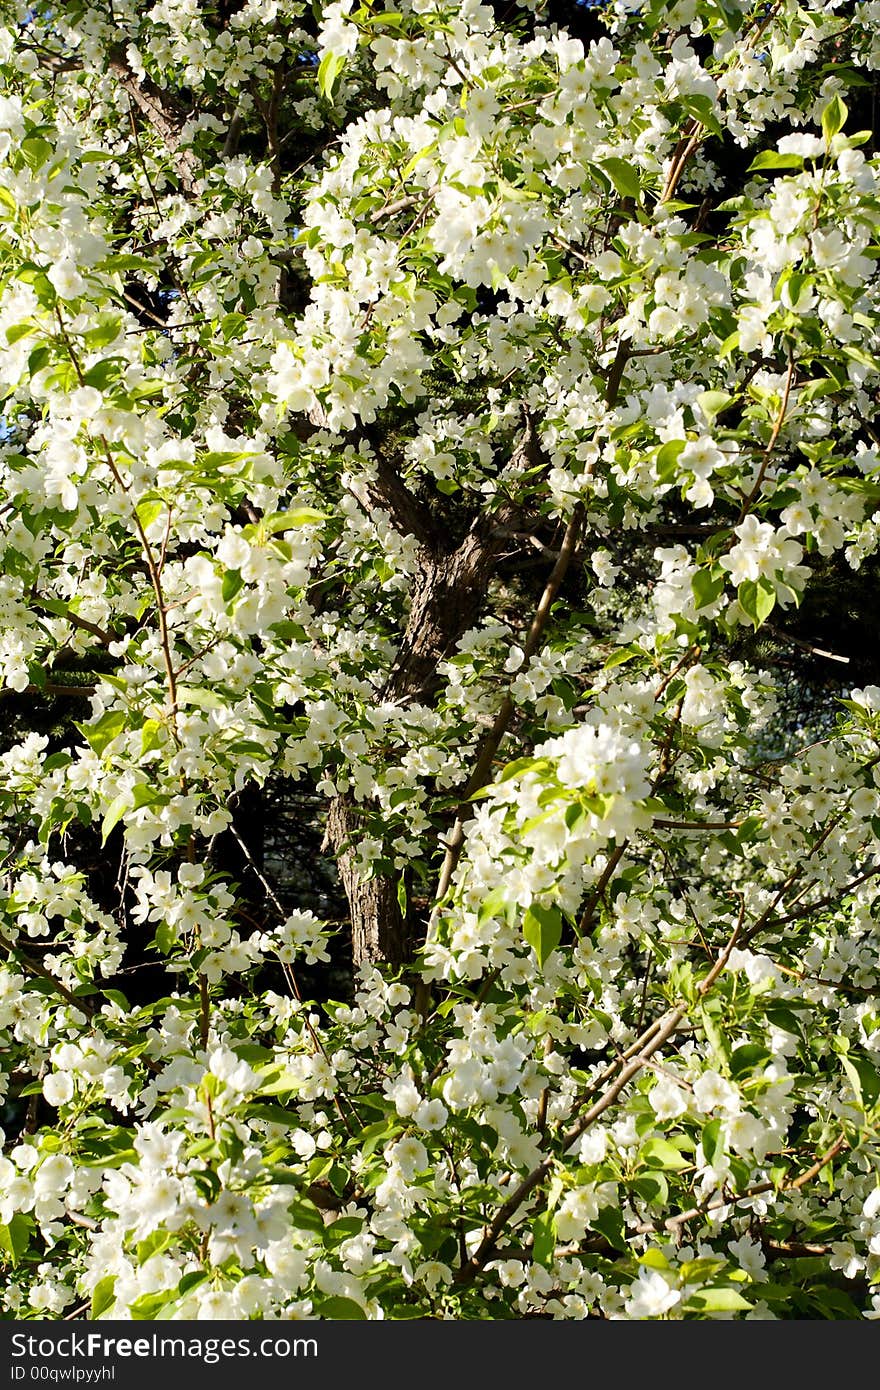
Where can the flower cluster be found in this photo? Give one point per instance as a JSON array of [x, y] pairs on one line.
[[416, 414]]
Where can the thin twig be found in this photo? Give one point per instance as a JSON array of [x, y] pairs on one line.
[[661, 1032], [149, 557], [674, 1223], [103, 636], [771, 443], [37, 969]]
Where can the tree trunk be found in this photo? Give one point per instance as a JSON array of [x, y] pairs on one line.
[[448, 595], [379, 930]]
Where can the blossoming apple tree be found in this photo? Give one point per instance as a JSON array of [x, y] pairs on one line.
[[425, 406]]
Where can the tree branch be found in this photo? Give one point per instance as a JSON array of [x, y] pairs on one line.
[[39, 971], [489, 747], [660, 1032], [492, 740], [674, 1223], [149, 99]]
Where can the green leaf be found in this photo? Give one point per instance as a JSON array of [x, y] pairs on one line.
[[55, 761], [15, 1237], [151, 736], [819, 386], [107, 331], [38, 359], [622, 655], [522, 765], [696, 1271], [114, 813], [376, 1134], [708, 586], [103, 1295], [116, 997], [702, 108], [153, 1244], [109, 369], [148, 510], [854, 1080], [749, 830], [748, 1058], [834, 118], [16, 331], [330, 67], [343, 1229], [718, 1301], [224, 459], [797, 287], [165, 938], [306, 1216], [288, 521], [836, 1303], [341, 1310], [757, 599], [417, 158], [126, 262], [654, 1258], [149, 1305], [542, 929], [623, 175], [232, 585], [667, 458], [575, 815], [661, 1154], [610, 1224], [713, 1146], [772, 159], [36, 151], [108, 727], [192, 1281], [857, 354], [734, 17], [713, 402], [202, 696], [730, 344], [652, 1186], [869, 1079], [544, 1239]]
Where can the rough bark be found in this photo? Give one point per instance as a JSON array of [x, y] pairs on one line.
[[447, 597], [379, 930], [154, 106]]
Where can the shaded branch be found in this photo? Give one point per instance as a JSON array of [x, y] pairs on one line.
[[36, 969], [151, 102]]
